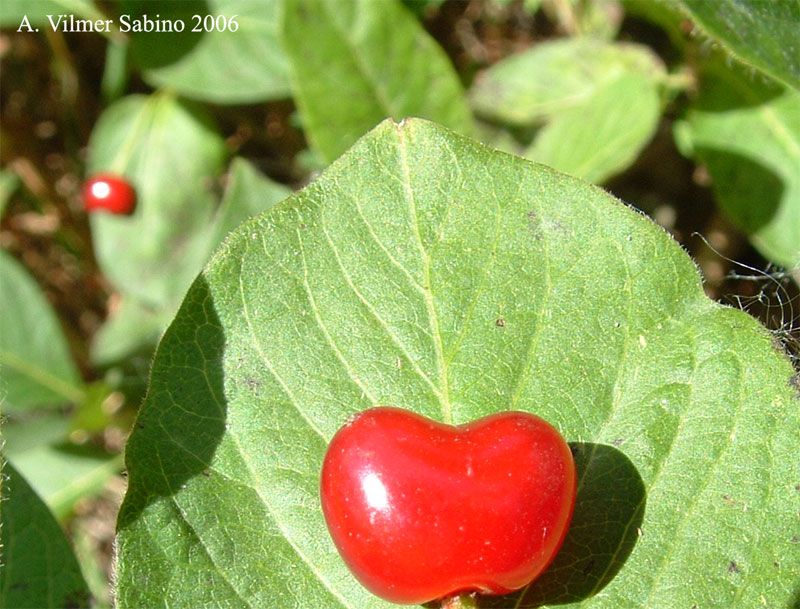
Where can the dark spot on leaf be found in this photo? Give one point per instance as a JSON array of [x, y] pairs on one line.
[[733, 568], [795, 539], [140, 425], [207, 473], [776, 564], [303, 226], [728, 501], [588, 568], [19, 586], [533, 224], [500, 323], [617, 442]]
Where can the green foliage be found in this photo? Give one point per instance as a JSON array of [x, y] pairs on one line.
[[599, 101], [747, 132], [34, 358], [242, 63], [171, 153], [249, 192], [40, 570], [420, 270], [59, 471], [554, 76], [761, 34], [604, 136], [385, 282], [368, 61]]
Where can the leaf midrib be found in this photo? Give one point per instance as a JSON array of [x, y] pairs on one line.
[[70, 392], [444, 394]]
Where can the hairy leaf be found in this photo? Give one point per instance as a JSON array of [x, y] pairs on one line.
[[425, 271]]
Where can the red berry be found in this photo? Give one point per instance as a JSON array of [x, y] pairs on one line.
[[109, 192], [420, 510]]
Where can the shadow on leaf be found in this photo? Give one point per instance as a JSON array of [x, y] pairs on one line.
[[605, 527], [749, 192], [182, 420]]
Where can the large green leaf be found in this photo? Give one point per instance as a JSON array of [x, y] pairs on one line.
[[239, 61], [426, 271], [354, 63], [554, 76], [36, 368], [747, 132], [760, 33], [171, 153], [39, 568]]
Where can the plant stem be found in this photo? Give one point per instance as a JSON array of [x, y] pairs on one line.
[[463, 600]]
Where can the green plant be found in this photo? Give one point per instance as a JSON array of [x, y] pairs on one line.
[[351, 203]]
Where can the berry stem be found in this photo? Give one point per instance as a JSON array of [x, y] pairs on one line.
[[460, 601]]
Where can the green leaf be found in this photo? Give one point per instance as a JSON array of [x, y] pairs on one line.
[[171, 153], [758, 33], [133, 327], [35, 362], [136, 326], [40, 570], [747, 133], [249, 192], [239, 61], [552, 77], [368, 61], [383, 282], [606, 134], [59, 471]]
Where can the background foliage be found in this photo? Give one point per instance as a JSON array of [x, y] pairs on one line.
[[340, 298]]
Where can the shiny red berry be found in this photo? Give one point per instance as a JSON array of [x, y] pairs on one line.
[[108, 192], [420, 510]]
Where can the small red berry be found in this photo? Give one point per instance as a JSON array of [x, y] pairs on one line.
[[420, 510], [109, 192]]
